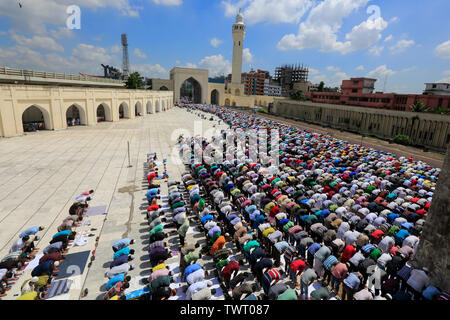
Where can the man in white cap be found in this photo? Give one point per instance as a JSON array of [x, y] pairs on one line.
[[29, 285]]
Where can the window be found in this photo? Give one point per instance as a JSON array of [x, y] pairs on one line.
[[434, 86], [354, 90], [355, 82], [440, 103]]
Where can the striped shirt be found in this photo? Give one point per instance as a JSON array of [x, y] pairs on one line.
[[329, 262], [272, 274]]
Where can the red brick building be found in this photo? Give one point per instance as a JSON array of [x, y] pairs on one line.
[[254, 82], [359, 92]]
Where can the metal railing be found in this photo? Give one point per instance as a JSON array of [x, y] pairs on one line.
[[53, 75]]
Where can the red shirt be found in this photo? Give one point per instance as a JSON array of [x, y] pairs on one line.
[[56, 256], [349, 251], [233, 266], [153, 207], [377, 234], [297, 265]]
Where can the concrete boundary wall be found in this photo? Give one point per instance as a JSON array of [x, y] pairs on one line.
[[55, 101], [424, 129]]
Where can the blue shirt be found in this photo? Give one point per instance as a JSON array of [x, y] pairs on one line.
[[431, 293], [122, 243], [114, 280], [211, 232], [190, 269], [65, 233], [29, 232], [313, 248], [122, 252], [206, 218], [42, 269], [352, 281], [151, 193], [329, 262]]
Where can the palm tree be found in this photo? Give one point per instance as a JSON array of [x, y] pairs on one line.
[[419, 106], [135, 81]]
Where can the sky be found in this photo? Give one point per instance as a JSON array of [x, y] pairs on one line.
[[401, 43]]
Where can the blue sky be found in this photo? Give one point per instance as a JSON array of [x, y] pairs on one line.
[[402, 43]]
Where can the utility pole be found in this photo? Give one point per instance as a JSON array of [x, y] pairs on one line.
[[129, 162]]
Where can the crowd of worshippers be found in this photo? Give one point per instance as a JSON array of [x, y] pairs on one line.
[[23, 251], [345, 218]]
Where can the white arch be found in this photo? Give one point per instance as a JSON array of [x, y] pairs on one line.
[[157, 106], [108, 114], [138, 109], [45, 117], [202, 90], [126, 110], [150, 107], [81, 110]]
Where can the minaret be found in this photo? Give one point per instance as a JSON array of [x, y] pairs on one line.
[[238, 38]]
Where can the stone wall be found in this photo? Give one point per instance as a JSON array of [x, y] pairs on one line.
[[424, 129], [434, 245]]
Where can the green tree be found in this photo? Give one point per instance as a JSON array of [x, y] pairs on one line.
[[135, 81], [321, 86], [441, 110], [150, 84], [419, 106], [299, 96], [402, 139]]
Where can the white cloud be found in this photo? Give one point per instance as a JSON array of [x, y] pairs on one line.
[[37, 42], [215, 42], [333, 69], [325, 21], [151, 71], [216, 65], [409, 69], [313, 71], [62, 32], [388, 38], [247, 56], [381, 72], [138, 53], [444, 80], [393, 20], [376, 50], [168, 2], [85, 58], [360, 68], [443, 50], [116, 49], [401, 46], [177, 62], [190, 65], [36, 16], [447, 79], [269, 11]]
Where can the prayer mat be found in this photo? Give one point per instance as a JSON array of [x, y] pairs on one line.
[[96, 211], [58, 288], [73, 265]]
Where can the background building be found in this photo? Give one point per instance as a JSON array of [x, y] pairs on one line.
[[359, 92], [271, 89], [254, 82], [288, 75], [437, 88]]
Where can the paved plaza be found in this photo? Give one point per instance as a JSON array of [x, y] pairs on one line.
[[43, 172]]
